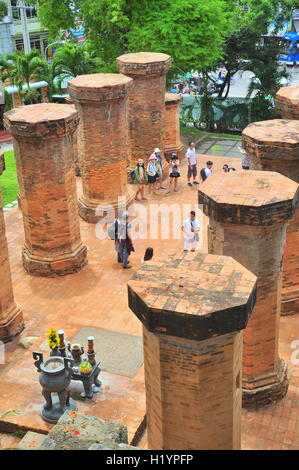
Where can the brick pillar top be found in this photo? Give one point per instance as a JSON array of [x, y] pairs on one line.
[[274, 133], [41, 120], [173, 98], [249, 198], [144, 63], [99, 86], [287, 102], [193, 296]]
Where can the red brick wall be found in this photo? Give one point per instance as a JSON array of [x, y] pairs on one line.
[[192, 397], [44, 157], [11, 318]]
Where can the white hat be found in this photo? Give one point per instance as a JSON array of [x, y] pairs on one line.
[[157, 150]]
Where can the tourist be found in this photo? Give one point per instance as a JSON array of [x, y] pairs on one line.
[[245, 159], [207, 171], [123, 242], [140, 178], [159, 178], [227, 169], [191, 228], [149, 253], [192, 163], [151, 171], [174, 173]]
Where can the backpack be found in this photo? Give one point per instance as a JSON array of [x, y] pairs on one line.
[[113, 231], [133, 175], [203, 174]]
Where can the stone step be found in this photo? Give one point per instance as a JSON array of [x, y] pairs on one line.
[[79, 432], [32, 441]]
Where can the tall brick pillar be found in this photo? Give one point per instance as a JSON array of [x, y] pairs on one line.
[[101, 102], [11, 317], [76, 142], [172, 140], [274, 145], [42, 138], [193, 307], [146, 111], [287, 102], [248, 216]]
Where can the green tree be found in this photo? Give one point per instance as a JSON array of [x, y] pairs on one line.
[[191, 31], [21, 69], [243, 41], [73, 59]]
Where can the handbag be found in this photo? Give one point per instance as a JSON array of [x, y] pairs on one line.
[[196, 234]]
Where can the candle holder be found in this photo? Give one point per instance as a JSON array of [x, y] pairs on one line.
[[90, 351], [61, 347], [76, 351]]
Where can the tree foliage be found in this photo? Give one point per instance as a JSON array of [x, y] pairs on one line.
[[191, 31]]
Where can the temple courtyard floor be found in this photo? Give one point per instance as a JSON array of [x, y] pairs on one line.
[[96, 297]]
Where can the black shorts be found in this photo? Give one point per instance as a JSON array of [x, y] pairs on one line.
[[245, 167], [151, 179], [174, 175]]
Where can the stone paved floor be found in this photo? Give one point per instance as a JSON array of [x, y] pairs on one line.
[[97, 297], [220, 146]]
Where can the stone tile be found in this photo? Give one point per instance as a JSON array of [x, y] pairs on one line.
[[97, 297]]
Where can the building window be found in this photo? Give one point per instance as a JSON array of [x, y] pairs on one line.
[[35, 42], [30, 13], [19, 45]]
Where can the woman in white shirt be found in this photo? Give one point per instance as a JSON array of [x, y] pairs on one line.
[[152, 173]]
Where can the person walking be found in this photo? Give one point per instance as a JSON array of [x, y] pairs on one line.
[[140, 178], [192, 163], [174, 173], [123, 242], [207, 171], [245, 159], [191, 228], [151, 171]]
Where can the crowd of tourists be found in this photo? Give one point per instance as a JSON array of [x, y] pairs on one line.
[[150, 174]]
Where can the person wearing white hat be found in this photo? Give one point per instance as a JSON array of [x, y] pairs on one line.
[[152, 173], [157, 153]]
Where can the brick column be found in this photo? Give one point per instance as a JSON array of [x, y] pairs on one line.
[[287, 102], [11, 317], [76, 142], [274, 145], [193, 307], [146, 110], [42, 138], [101, 102], [248, 216], [172, 140]]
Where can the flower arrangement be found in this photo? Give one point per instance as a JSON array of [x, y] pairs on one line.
[[85, 367], [53, 338]]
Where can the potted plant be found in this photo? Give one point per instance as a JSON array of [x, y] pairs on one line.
[[53, 341]]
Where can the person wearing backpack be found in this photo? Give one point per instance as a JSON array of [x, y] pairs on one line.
[[123, 242], [152, 173], [206, 172], [139, 176]]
